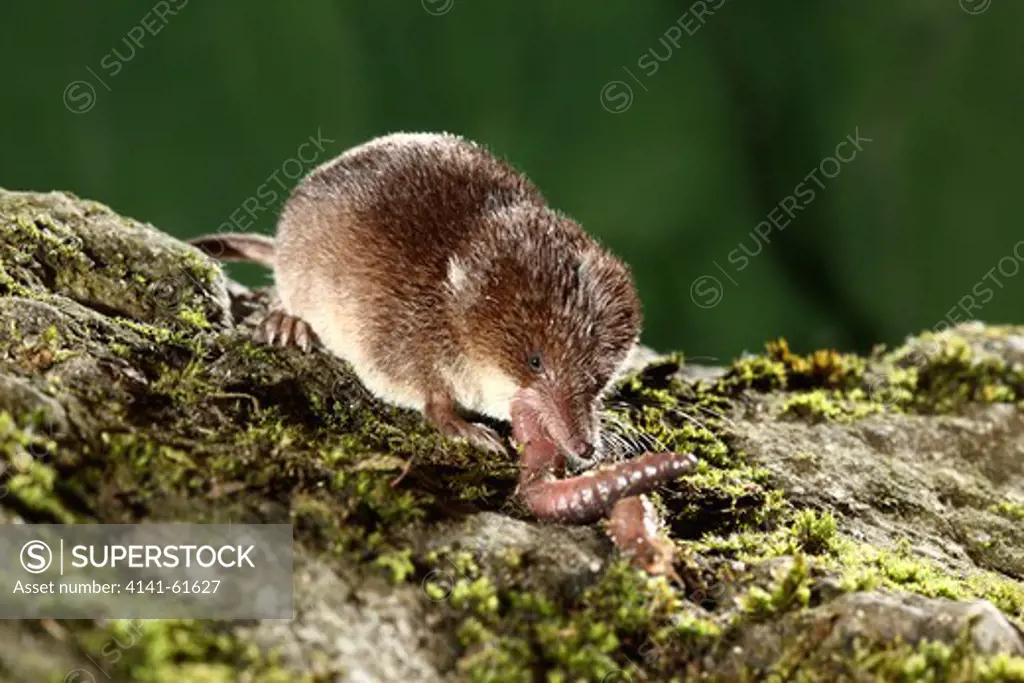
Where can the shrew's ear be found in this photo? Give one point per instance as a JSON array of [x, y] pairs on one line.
[[584, 270]]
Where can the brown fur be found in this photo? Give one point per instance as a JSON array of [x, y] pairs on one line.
[[437, 269]]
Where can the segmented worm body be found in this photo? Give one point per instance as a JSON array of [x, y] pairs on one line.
[[615, 491], [636, 528], [590, 496]]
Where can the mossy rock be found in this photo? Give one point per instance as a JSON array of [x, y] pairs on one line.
[[853, 518]]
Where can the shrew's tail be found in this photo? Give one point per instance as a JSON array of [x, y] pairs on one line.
[[236, 246]]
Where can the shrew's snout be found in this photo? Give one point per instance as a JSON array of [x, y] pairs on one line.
[[581, 454], [575, 428], [571, 426], [582, 448]]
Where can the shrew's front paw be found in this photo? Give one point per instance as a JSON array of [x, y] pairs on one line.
[[281, 329], [481, 436], [440, 410]]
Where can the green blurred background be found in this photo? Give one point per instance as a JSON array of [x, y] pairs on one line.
[[667, 134]]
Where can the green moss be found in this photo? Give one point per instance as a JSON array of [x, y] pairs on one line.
[[821, 369], [725, 499], [933, 661], [194, 317], [398, 564], [41, 239], [659, 419], [33, 486], [183, 385], [200, 269], [792, 590], [259, 354], [814, 533], [860, 566], [11, 287], [512, 557], [374, 490], [477, 596], [154, 469], [864, 567], [821, 404], [935, 372], [36, 351], [29, 478], [509, 634], [781, 369], [120, 350], [37, 230], [169, 651], [806, 458], [755, 372], [818, 405], [52, 251], [154, 333], [1010, 510], [895, 662], [360, 514], [943, 371], [491, 658]]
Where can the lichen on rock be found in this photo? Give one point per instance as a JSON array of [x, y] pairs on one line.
[[853, 518]]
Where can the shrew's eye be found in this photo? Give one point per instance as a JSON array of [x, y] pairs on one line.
[[536, 363]]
